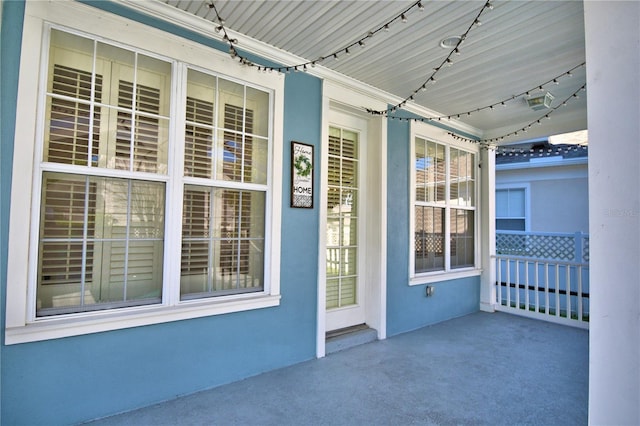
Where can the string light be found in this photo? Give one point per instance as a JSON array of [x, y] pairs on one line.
[[485, 143], [446, 61], [402, 16], [539, 152], [221, 28], [502, 102], [493, 141]]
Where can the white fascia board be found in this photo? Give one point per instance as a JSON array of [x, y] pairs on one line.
[[535, 165], [194, 23]]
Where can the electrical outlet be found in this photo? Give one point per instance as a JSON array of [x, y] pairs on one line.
[[430, 289]]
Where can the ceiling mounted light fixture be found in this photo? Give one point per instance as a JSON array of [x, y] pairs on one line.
[[450, 42], [540, 102]]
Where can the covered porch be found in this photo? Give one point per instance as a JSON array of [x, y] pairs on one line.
[[483, 368]]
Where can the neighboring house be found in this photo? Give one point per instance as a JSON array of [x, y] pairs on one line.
[[148, 244], [542, 214], [542, 188]]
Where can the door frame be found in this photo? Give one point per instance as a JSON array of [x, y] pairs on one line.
[[354, 314], [342, 99]]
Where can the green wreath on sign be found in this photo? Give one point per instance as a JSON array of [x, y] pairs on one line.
[[302, 165]]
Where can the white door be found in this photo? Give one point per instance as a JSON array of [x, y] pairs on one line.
[[345, 286]]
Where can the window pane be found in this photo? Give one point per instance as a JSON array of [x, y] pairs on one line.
[[349, 144], [462, 241], [348, 290], [72, 129], [454, 175], [230, 151], [71, 133], [510, 224], [502, 203], [141, 139], [257, 112], [349, 231], [200, 122], [420, 170], [101, 243], [510, 203], [198, 150], [117, 65], [462, 187], [108, 109], [429, 239], [349, 202], [430, 171], [201, 90], [342, 220], [516, 202], [333, 291], [257, 160], [244, 157], [222, 242]]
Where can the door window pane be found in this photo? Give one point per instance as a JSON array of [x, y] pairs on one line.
[[342, 218]]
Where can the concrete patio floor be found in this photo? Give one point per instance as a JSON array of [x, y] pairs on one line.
[[481, 369]]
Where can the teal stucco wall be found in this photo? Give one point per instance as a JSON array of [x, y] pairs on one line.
[[408, 308], [74, 379]]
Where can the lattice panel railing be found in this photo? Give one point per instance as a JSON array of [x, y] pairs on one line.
[[544, 246], [585, 249]]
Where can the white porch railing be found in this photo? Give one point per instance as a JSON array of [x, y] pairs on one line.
[[543, 275]]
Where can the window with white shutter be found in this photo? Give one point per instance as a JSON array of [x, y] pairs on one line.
[[443, 217], [223, 224], [156, 184], [101, 233]]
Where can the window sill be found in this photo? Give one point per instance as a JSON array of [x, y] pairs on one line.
[[435, 277], [55, 328]]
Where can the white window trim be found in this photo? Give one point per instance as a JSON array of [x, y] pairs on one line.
[[21, 326], [441, 136], [527, 204]]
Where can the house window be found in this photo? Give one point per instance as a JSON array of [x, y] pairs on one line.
[[511, 209], [101, 233], [444, 212], [117, 170], [223, 219]]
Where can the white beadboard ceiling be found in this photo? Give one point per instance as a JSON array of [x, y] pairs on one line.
[[519, 46]]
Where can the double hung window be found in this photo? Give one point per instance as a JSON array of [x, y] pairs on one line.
[[443, 208], [132, 144], [511, 209]]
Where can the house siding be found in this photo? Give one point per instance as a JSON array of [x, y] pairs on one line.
[[85, 377], [11, 14], [558, 195], [408, 308], [560, 206]]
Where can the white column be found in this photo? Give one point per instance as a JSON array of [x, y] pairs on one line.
[[487, 229], [612, 32]]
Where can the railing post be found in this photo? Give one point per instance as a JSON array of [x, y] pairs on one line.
[[487, 167], [577, 238]]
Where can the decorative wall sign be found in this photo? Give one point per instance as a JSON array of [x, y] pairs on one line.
[[301, 175]]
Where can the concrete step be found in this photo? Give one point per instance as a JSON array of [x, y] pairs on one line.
[[344, 338]]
